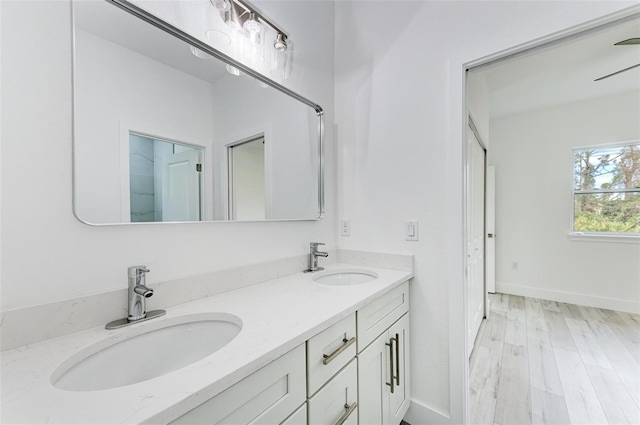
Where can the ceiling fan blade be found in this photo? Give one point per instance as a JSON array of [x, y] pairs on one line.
[[628, 42], [617, 72]]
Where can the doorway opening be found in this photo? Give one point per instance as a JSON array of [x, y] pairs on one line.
[[547, 197], [165, 183], [246, 179]]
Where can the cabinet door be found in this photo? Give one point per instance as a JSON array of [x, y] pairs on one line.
[[336, 402], [373, 375], [399, 399]]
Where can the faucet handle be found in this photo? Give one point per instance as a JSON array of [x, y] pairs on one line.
[[137, 270], [316, 244]]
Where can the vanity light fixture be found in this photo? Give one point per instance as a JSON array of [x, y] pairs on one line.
[[251, 26], [221, 5], [280, 44]]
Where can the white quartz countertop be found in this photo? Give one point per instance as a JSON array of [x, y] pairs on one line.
[[276, 315]]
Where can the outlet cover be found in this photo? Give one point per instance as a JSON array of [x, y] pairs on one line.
[[345, 227]]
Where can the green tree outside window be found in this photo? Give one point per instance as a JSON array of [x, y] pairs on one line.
[[606, 189]]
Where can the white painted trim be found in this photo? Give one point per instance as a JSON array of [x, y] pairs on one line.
[[419, 414], [616, 304], [604, 237]]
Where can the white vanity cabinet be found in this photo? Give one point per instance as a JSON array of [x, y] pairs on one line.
[[268, 396], [383, 365], [353, 372]]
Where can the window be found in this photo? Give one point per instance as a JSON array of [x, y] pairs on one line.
[[606, 189]]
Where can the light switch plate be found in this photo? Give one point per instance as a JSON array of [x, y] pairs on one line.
[[411, 230]]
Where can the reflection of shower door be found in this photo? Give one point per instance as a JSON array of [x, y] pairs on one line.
[[181, 187]]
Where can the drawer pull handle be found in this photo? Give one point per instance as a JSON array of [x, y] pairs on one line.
[[398, 359], [390, 345], [348, 413], [330, 357]]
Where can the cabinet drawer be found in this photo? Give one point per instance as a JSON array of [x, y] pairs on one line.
[[336, 402], [378, 316], [329, 351], [297, 418], [267, 396]]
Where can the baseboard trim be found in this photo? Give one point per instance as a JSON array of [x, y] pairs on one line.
[[569, 297], [419, 414]]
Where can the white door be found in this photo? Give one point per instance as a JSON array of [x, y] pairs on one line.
[[475, 237], [181, 187]]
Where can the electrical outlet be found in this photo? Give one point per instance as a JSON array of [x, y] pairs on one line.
[[345, 227], [514, 265]]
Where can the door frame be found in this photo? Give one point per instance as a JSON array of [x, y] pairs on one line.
[[552, 29]]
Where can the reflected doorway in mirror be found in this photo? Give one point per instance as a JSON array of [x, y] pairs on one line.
[[164, 180], [246, 168]]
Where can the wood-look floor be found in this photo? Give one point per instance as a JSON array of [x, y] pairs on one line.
[[545, 362]]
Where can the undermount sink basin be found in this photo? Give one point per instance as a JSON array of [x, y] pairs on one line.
[[146, 352], [345, 277]]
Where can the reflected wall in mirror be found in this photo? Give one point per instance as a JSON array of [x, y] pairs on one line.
[[160, 133]]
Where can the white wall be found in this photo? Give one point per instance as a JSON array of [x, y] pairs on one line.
[[533, 156], [47, 254], [397, 86]]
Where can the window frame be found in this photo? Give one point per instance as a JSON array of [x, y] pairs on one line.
[[590, 236]]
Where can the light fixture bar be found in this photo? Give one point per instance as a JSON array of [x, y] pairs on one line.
[[267, 22]]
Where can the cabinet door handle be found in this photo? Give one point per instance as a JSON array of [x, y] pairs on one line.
[[328, 358], [398, 359], [348, 413], [390, 345]]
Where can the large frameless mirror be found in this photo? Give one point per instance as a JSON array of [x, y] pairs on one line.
[[167, 131]]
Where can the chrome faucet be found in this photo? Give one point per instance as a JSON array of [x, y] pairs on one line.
[[138, 294], [313, 257]]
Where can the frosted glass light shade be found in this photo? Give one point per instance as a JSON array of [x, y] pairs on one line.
[[281, 63]]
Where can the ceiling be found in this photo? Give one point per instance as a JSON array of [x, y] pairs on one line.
[[564, 72], [111, 23]]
